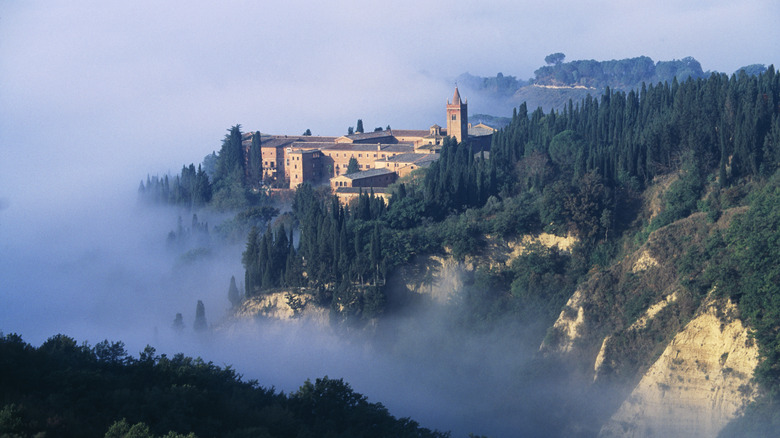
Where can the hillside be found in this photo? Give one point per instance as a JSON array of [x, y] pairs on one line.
[[624, 246], [553, 85], [659, 189]]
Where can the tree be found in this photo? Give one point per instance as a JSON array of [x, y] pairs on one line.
[[255, 161], [178, 322], [231, 155], [307, 132], [353, 165], [359, 129], [233, 295], [200, 317], [554, 58], [350, 130]]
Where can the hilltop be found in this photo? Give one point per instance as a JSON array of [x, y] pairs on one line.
[[554, 84]]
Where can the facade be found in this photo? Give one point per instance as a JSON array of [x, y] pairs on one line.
[[292, 160], [337, 156], [302, 165], [404, 164]]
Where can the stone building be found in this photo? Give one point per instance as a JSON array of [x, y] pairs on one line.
[[292, 160], [404, 164], [303, 165]]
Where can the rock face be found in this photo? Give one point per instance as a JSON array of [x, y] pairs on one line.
[[568, 325], [700, 382], [277, 306]]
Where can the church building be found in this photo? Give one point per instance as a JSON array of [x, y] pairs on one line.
[[293, 160]]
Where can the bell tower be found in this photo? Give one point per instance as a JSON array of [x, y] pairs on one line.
[[457, 118]]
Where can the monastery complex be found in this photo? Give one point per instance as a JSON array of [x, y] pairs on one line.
[[382, 156]]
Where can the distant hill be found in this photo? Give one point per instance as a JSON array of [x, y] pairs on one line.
[[554, 84]]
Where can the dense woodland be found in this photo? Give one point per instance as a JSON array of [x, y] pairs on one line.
[[63, 389]]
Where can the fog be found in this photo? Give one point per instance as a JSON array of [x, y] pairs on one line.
[[95, 96], [103, 270]]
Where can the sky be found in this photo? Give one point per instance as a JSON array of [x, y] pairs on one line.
[[95, 95]]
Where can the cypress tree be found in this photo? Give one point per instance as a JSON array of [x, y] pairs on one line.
[[233, 295], [200, 317], [255, 161]]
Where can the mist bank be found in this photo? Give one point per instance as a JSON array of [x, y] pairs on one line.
[[102, 269]]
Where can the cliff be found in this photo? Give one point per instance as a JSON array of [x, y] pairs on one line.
[[700, 383]]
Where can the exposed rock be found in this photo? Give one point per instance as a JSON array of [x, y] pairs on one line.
[[644, 262], [600, 357], [519, 247], [652, 311], [568, 326], [701, 381], [276, 306]]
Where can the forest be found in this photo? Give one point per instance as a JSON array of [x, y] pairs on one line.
[[66, 389], [580, 171]]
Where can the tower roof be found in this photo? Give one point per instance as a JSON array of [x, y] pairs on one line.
[[456, 96]]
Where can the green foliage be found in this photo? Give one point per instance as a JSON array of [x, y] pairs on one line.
[[255, 171], [682, 197], [541, 282], [554, 58], [624, 72], [190, 189], [749, 274], [233, 295], [353, 165], [68, 390], [200, 317]]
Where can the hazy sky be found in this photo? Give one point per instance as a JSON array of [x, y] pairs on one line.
[[153, 84]]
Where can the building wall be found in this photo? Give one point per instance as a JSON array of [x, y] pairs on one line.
[[338, 160], [273, 162], [303, 166], [373, 181]]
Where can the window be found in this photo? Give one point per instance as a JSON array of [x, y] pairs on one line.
[[454, 117]]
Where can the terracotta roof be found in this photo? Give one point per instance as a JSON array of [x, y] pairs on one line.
[[276, 142], [357, 138], [412, 158], [377, 190], [400, 147], [367, 173], [310, 145], [479, 131], [315, 139], [410, 132], [367, 147]]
